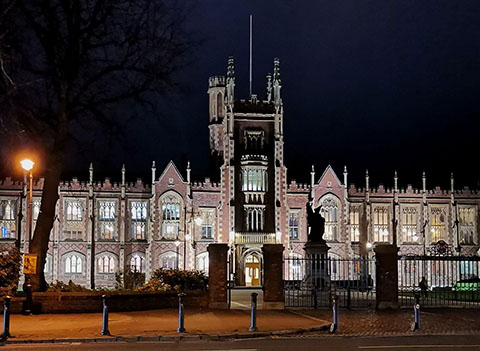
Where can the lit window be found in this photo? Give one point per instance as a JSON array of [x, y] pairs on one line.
[[293, 225], [202, 262], [106, 220], [73, 225], [409, 224], [467, 224], [73, 264], [329, 212], [295, 266], [168, 260], [254, 179], [74, 210], [437, 224], [207, 224], [355, 224], [8, 225], [138, 211], [254, 219], [170, 217], [106, 264], [381, 224], [137, 264]]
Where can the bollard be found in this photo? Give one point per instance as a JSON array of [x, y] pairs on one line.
[[27, 305], [181, 326], [334, 325], [6, 318], [105, 330], [253, 314], [416, 314]]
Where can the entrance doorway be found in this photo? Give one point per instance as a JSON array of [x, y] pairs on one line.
[[252, 270]]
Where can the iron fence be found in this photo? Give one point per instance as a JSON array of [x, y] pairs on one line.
[[312, 282], [439, 280]]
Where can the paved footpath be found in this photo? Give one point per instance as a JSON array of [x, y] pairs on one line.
[[156, 323], [214, 324], [364, 322]]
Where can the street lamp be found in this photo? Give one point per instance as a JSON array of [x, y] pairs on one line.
[[27, 165]]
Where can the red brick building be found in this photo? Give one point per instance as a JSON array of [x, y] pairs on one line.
[[102, 228]]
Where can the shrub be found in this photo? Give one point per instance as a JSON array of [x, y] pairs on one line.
[[60, 286], [9, 271], [131, 280], [181, 280], [155, 285]]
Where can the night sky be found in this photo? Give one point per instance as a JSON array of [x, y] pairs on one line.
[[384, 85]]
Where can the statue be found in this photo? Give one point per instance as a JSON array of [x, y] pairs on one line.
[[316, 224]]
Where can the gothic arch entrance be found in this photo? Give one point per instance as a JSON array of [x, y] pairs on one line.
[[252, 269]]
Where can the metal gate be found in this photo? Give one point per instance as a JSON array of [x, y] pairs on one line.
[[439, 280], [312, 282]]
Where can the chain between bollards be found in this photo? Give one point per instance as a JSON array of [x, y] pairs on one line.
[[416, 314], [181, 314], [105, 330], [334, 325], [6, 318], [253, 314]]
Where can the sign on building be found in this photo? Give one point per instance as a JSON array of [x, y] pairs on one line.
[[29, 264]]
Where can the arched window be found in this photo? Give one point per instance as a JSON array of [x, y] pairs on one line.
[[170, 216], [219, 105], [438, 222], [137, 263], [202, 262], [168, 260], [254, 219], [8, 225], [105, 264], [381, 224], [48, 264], [74, 264], [329, 212]]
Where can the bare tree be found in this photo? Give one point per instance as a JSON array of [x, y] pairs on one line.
[[64, 61]]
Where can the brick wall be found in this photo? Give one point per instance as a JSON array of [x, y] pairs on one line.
[[91, 302]]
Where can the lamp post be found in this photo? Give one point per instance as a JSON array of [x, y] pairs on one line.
[[27, 165], [197, 221]]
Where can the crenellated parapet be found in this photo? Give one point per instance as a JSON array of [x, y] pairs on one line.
[[295, 187], [206, 185]]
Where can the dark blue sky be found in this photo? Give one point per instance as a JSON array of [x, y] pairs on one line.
[[381, 84]]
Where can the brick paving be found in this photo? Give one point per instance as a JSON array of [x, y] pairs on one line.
[[365, 322]]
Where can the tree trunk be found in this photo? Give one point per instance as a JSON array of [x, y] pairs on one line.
[[46, 218]]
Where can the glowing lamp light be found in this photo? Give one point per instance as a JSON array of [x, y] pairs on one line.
[[369, 245], [177, 243], [27, 164], [198, 220]]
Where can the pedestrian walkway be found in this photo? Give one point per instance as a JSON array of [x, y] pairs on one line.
[[155, 323], [366, 322], [241, 298]]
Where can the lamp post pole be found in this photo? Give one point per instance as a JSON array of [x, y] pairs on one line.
[[30, 208]]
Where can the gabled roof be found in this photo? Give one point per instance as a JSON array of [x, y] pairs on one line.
[[329, 170], [171, 165]]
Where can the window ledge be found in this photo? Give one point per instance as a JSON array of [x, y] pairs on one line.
[[106, 240], [137, 240]]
